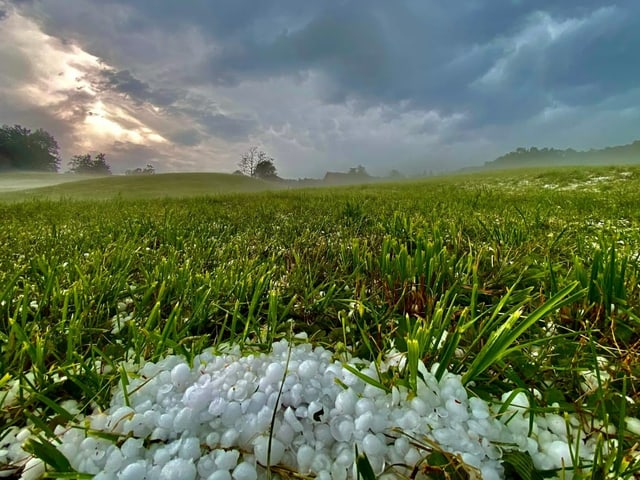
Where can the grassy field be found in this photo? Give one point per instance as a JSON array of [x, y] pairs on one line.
[[28, 186], [552, 254]]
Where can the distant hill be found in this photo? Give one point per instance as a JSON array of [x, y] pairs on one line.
[[137, 186], [542, 157]]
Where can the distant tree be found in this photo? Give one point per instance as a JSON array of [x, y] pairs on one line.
[[266, 170], [88, 165], [250, 160], [148, 170], [359, 171], [22, 149], [395, 174]]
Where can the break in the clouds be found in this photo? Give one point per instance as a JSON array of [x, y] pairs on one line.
[[409, 85]]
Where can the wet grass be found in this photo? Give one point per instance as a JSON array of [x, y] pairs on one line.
[[509, 282]]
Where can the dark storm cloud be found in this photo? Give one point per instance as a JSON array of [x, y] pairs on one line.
[[223, 126], [425, 54], [430, 56], [124, 82], [175, 102], [480, 72]]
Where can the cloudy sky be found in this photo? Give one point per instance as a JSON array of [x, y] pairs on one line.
[[415, 85]]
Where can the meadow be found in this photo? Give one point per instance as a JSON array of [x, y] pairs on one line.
[[525, 281]]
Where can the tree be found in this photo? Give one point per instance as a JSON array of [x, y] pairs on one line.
[[148, 170], [22, 149], [395, 174], [358, 171], [88, 165], [265, 169], [250, 160]]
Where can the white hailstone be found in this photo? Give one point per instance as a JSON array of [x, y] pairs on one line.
[[198, 397], [161, 456], [229, 438], [105, 476], [114, 461], [364, 405], [556, 424], [183, 419], [305, 457], [264, 456], [342, 428], [491, 472], [285, 433], [292, 420], [321, 461], [178, 468], [220, 475], [308, 369], [118, 417], [22, 435], [364, 423], [132, 448], [373, 445], [559, 453], [33, 469], [323, 436], [190, 449], [479, 409], [231, 414], [181, 376], [273, 373], [345, 402], [134, 471], [245, 471], [227, 459], [633, 425], [457, 409]]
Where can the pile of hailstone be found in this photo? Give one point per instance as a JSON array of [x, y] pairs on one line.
[[230, 416]]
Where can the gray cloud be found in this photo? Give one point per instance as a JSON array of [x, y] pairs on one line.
[[188, 138], [124, 82]]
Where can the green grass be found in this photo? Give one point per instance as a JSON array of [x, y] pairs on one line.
[[501, 278], [128, 187]]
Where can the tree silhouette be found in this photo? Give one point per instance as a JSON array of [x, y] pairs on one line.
[[88, 165], [250, 160], [265, 169], [22, 149]]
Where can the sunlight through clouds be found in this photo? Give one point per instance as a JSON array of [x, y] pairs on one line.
[[61, 78]]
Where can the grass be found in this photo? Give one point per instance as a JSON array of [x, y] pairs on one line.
[[180, 185], [503, 279]]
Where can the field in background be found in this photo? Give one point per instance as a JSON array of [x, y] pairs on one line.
[[27, 186], [17, 181], [369, 270]]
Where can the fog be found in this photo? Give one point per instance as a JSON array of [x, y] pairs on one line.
[[15, 181]]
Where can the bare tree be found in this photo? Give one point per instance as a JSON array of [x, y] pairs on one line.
[[250, 160]]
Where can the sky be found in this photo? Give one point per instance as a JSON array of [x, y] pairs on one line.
[[413, 85]]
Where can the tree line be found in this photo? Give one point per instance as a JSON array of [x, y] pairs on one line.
[[534, 156], [27, 150]]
